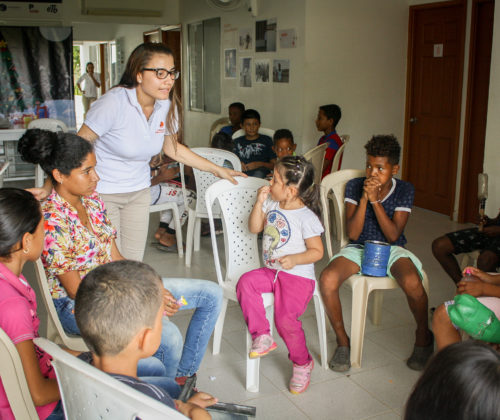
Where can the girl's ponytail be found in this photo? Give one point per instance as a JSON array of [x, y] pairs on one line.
[[300, 173]]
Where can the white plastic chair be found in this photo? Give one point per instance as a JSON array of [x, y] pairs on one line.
[[203, 181], [50, 124], [336, 159], [316, 156], [55, 330], [14, 381], [3, 168], [217, 125], [177, 220], [242, 255], [88, 393], [361, 285], [266, 131]]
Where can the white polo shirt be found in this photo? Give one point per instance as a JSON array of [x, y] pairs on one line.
[[127, 141]]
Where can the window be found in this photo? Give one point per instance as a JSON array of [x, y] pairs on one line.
[[204, 65]]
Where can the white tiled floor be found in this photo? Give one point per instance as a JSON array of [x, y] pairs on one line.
[[377, 390]]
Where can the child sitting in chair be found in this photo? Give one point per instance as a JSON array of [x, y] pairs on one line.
[[326, 121], [254, 150], [283, 143], [377, 208], [165, 189], [119, 308]]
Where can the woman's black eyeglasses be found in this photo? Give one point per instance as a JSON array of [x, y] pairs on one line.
[[163, 73]]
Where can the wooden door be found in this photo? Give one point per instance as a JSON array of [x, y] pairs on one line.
[[172, 39], [434, 90], [477, 107]]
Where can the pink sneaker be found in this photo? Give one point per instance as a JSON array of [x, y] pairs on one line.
[[301, 377], [262, 345]]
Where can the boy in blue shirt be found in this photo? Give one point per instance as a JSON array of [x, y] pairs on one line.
[[377, 208], [254, 150]]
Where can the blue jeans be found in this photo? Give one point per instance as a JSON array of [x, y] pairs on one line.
[[175, 359], [206, 298]]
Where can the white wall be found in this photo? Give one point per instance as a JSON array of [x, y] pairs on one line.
[[492, 144], [356, 57], [280, 105]]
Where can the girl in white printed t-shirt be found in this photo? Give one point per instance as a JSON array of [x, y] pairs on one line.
[[290, 219]]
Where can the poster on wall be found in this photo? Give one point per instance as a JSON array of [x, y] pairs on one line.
[[246, 39], [261, 71], [230, 63], [288, 38], [36, 74], [246, 72], [265, 35], [281, 71]]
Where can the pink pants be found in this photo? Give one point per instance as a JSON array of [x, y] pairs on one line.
[[291, 296]]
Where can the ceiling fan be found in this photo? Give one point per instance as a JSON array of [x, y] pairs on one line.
[[228, 5]]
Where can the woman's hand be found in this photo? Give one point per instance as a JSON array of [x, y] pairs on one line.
[[169, 303], [228, 174]]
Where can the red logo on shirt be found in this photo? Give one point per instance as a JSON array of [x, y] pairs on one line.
[[161, 130]]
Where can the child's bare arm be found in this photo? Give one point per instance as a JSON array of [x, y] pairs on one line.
[[164, 174], [254, 165], [313, 253], [43, 391], [392, 229], [257, 216]]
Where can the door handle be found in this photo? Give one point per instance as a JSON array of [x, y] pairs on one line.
[[413, 120]]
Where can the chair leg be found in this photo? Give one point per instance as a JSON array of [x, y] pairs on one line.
[[253, 367], [359, 305], [219, 325], [197, 234], [189, 239], [378, 298], [320, 320], [178, 231]]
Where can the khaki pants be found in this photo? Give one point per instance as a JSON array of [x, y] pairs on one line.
[[86, 101], [129, 214]]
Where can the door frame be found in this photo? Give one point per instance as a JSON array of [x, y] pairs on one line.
[[468, 110], [409, 77]]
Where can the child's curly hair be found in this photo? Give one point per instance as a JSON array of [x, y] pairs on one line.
[[384, 145]]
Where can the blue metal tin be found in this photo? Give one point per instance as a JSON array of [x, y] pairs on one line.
[[375, 258]]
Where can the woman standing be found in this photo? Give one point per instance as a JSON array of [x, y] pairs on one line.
[[129, 124]]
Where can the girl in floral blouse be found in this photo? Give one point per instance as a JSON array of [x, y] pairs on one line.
[[80, 237]]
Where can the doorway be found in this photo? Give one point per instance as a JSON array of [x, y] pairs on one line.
[[433, 103], [476, 108], [100, 54]]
